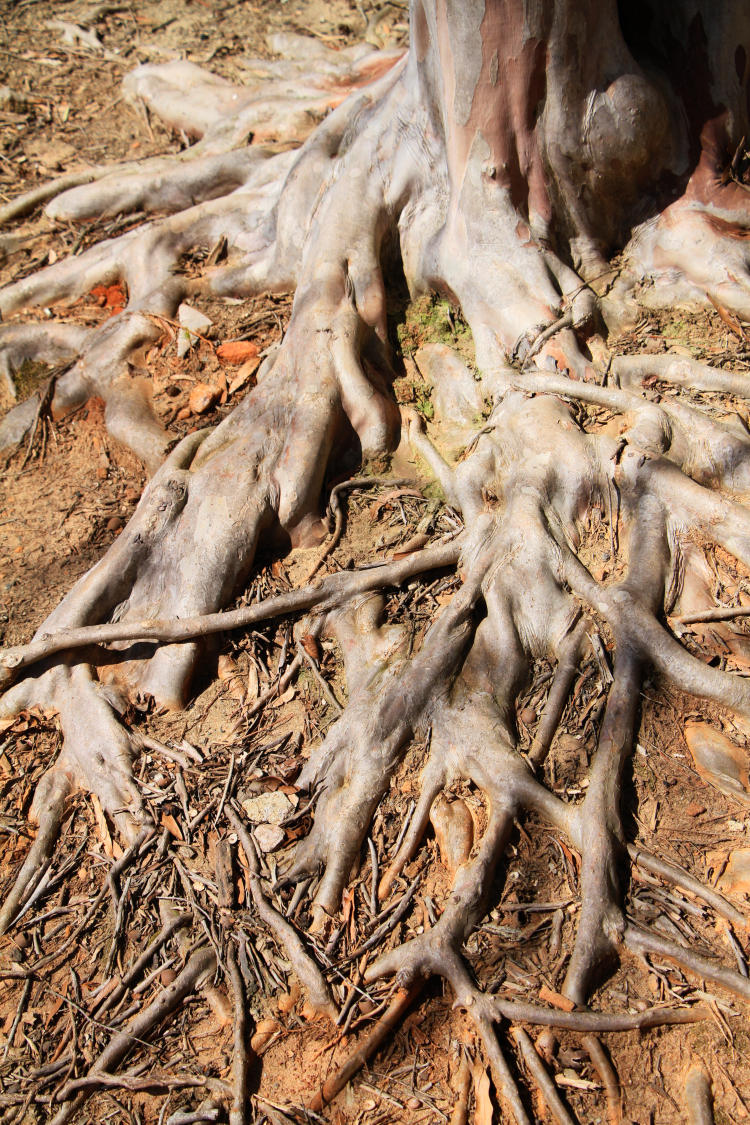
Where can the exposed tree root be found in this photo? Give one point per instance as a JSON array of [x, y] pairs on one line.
[[698, 1097], [397, 168], [384, 1027]]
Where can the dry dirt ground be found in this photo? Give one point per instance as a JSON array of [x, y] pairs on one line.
[[63, 502]]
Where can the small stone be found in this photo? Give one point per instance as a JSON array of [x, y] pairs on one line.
[[193, 324], [528, 716], [268, 808], [167, 976], [115, 523], [268, 837], [414, 1103], [202, 398]]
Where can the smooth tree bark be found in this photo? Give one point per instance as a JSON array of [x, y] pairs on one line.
[[549, 166]]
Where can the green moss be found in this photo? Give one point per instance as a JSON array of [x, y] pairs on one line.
[[433, 491], [29, 376], [432, 320]]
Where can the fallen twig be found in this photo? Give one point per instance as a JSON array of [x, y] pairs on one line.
[[334, 507], [201, 963], [538, 1071], [237, 1115], [309, 974], [608, 1075], [325, 594], [718, 613], [681, 878]]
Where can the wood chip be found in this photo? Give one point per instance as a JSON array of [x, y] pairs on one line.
[[556, 999]]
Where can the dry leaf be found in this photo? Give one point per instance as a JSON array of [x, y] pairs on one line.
[[101, 824], [718, 760], [111, 297], [729, 319], [282, 699], [169, 822], [236, 351], [227, 667], [264, 1030], [414, 544], [310, 645], [253, 683], [243, 375], [736, 876]]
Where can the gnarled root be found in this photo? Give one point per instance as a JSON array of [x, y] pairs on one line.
[[402, 168]]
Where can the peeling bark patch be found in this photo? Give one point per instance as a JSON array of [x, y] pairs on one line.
[[465, 26], [494, 68]]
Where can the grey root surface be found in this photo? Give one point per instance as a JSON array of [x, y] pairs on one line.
[[504, 162]]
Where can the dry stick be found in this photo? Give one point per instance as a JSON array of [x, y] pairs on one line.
[[116, 870], [25, 994], [609, 1078], [390, 923], [698, 1097], [460, 1115], [387, 1023], [310, 976], [643, 942], [538, 1071], [328, 592], [720, 613], [337, 511], [504, 1080], [277, 688], [237, 1114], [40, 851], [132, 974], [319, 679], [585, 1021], [564, 321], [674, 874], [150, 1083], [374, 883], [201, 963]]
